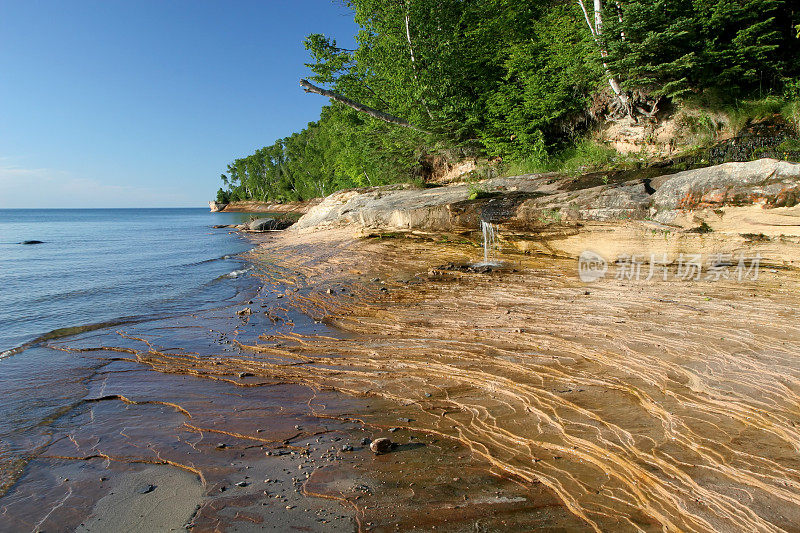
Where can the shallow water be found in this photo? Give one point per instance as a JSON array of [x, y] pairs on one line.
[[97, 268], [182, 392], [109, 265]]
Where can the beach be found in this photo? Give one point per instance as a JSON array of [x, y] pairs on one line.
[[641, 406]]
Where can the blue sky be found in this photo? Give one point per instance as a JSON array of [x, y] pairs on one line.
[[143, 103]]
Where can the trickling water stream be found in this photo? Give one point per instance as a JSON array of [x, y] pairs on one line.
[[490, 243]]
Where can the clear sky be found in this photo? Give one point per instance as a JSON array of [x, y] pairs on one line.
[[113, 103]]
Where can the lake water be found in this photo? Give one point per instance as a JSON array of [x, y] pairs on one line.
[[111, 265]]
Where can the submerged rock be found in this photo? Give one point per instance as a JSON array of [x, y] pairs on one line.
[[381, 445]]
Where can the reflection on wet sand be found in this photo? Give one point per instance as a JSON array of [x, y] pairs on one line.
[[521, 399]]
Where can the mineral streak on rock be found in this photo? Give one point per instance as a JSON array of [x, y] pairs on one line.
[[662, 405]]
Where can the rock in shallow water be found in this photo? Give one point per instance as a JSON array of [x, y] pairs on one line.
[[381, 445]]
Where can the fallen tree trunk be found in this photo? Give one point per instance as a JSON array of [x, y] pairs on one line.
[[374, 113]]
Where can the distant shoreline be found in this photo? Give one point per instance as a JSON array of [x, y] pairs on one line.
[[252, 206]]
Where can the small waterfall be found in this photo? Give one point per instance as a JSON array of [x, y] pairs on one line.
[[490, 243]]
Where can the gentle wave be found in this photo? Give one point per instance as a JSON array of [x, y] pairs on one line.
[[66, 332], [236, 273]]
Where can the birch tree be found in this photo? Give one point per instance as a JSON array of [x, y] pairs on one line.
[[595, 24]]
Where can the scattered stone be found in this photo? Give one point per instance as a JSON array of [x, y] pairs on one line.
[[280, 296], [381, 445], [365, 441], [392, 430], [146, 489], [290, 506], [405, 420], [221, 446], [428, 394], [347, 448], [330, 291], [244, 312], [243, 375], [242, 484]]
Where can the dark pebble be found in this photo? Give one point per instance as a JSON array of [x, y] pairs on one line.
[[146, 489]]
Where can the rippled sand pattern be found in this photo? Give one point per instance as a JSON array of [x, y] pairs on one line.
[[665, 406]]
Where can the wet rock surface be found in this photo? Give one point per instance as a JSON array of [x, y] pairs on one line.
[[256, 450]]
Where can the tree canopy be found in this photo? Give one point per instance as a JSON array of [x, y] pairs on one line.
[[507, 78]]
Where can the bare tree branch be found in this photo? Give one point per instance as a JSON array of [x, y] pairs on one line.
[[374, 113]]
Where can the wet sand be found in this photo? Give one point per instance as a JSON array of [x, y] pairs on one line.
[[520, 399]]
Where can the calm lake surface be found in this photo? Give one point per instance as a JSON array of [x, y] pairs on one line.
[[111, 265]]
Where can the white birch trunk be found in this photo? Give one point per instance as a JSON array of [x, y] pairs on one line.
[[411, 52], [596, 30]]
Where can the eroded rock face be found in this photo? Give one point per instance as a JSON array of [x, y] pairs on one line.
[[768, 181], [539, 202]]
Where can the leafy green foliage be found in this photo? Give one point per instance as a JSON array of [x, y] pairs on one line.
[[515, 80], [544, 87], [673, 47], [343, 149], [223, 196]]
